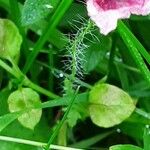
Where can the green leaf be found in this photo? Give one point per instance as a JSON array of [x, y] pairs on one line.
[[147, 138], [34, 10], [5, 117], [73, 117], [93, 56], [125, 147], [109, 105], [96, 52], [22, 99], [10, 40], [134, 130], [79, 110]]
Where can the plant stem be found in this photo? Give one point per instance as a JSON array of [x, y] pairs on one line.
[[16, 72], [142, 113], [111, 58], [133, 49], [34, 143], [30, 84], [53, 136], [8, 69], [84, 84], [55, 19], [76, 52]]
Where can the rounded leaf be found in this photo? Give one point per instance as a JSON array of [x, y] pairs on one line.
[[22, 99], [109, 105], [10, 40]]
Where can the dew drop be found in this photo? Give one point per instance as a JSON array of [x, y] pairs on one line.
[[146, 115], [107, 54], [31, 48], [118, 130], [61, 75], [48, 6], [147, 126], [39, 32], [50, 46]]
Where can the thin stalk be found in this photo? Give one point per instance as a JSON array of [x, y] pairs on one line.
[[8, 69], [55, 133], [34, 86], [139, 46], [16, 72], [51, 64], [142, 113], [84, 84], [111, 58], [34, 143], [53, 22], [124, 33]]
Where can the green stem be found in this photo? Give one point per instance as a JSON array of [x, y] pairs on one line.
[[84, 84], [62, 135], [30, 84], [133, 49], [53, 136], [34, 143], [111, 58], [51, 64], [55, 19], [139, 46], [8, 69], [16, 72], [142, 113]]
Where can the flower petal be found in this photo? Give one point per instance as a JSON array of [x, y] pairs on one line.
[[105, 13], [106, 20]]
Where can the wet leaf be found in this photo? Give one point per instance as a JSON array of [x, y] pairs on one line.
[[34, 10]]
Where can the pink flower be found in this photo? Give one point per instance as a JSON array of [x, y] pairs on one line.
[[105, 13]]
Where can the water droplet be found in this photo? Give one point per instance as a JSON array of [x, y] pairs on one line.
[[147, 126], [39, 32], [107, 54], [31, 48], [48, 6], [119, 60], [146, 115], [118, 130], [50, 46], [61, 75]]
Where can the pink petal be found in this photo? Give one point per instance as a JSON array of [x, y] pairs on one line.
[[105, 13]]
